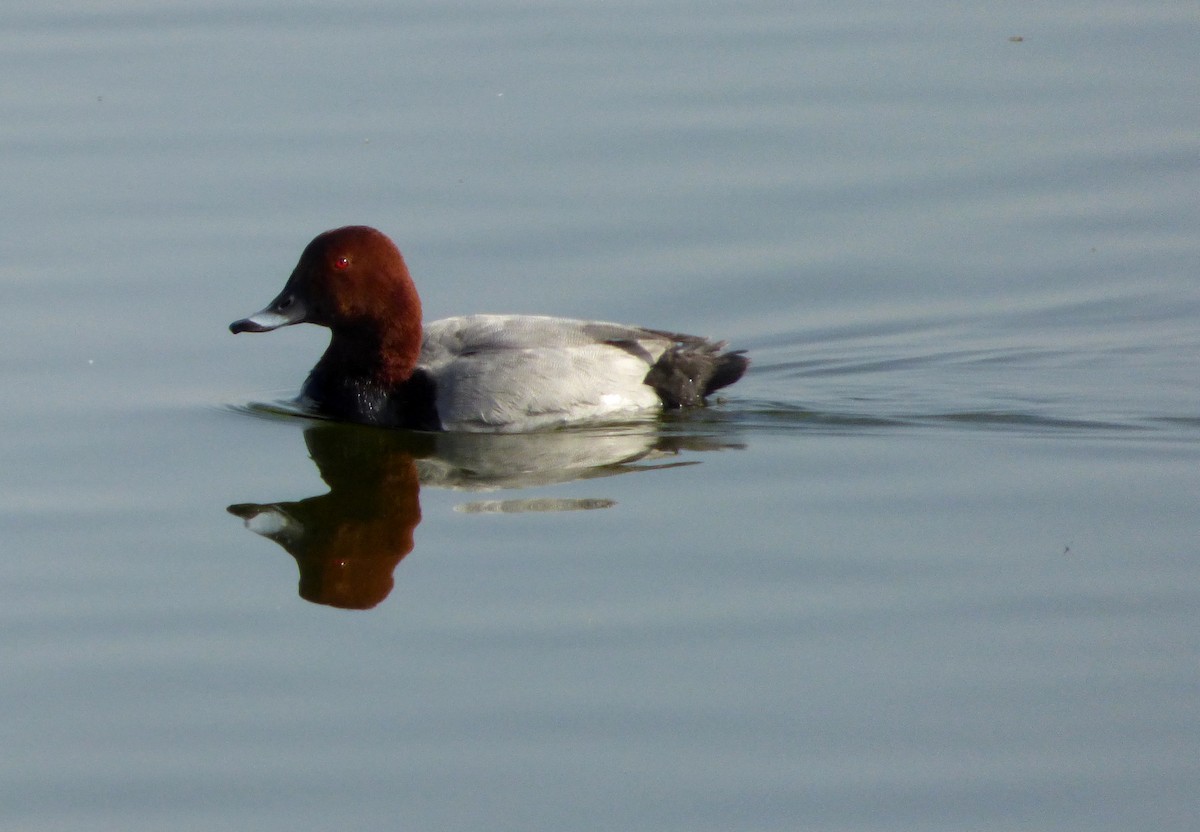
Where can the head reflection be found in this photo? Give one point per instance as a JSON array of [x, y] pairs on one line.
[[347, 542]]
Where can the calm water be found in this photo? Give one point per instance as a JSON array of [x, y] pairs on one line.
[[932, 565]]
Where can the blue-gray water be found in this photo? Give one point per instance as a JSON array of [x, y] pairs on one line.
[[931, 566]]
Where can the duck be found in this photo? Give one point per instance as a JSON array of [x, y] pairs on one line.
[[479, 373]]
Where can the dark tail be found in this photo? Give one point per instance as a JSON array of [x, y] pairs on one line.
[[689, 371], [729, 368]]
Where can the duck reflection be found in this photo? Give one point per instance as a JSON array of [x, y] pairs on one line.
[[348, 541]]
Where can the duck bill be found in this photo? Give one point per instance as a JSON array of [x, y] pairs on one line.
[[285, 310]]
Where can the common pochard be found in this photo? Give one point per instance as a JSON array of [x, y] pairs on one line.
[[479, 373]]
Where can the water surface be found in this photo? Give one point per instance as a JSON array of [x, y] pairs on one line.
[[930, 565]]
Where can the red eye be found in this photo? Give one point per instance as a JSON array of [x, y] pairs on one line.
[[341, 263]]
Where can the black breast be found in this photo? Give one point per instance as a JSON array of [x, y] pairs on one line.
[[412, 405]]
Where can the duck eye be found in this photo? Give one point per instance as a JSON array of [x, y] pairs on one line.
[[341, 263]]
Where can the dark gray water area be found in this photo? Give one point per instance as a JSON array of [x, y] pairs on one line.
[[932, 565]]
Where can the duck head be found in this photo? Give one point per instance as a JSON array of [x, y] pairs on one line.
[[354, 281]]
